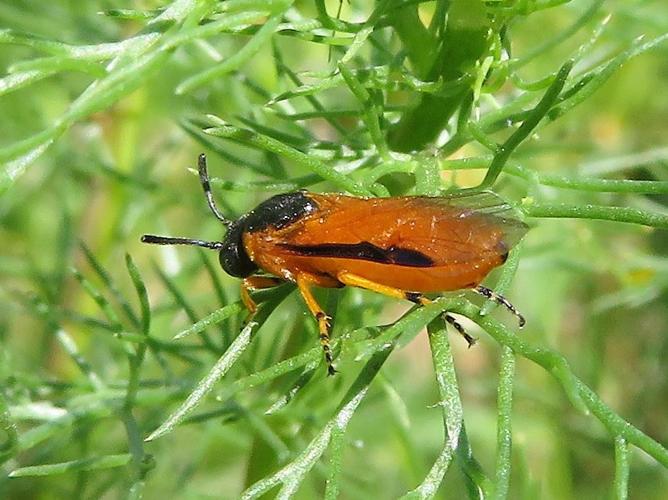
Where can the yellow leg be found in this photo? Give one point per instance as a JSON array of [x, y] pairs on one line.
[[304, 285], [351, 279], [255, 283]]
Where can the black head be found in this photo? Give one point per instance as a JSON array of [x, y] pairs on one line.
[[277, 212], [232, 256]]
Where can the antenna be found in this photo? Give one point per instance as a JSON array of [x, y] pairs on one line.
[[204, 179], [166, 240], [213, 245]]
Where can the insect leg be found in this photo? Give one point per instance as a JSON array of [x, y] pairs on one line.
[[500, 299], [351, 279], [255, 283], [460, 329], [304, 285], [354, 280]]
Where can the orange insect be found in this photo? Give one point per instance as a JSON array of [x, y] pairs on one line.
[[402, 246]]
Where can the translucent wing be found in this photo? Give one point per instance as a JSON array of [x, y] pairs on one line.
[[487, 209], [428, 231]]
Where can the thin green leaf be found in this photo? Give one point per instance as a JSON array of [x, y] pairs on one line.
[[528, 125], [621, 483], [85, 464], [140, 288], [580, 395], [222, 366], [274, 146], [451, 406], [597, 212], [234, 61], [212, 319], [10, 444], [292, 474]]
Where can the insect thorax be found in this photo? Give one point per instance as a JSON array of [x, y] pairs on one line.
[[275, 213]]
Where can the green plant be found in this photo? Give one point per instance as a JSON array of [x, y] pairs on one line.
[[553, 103]]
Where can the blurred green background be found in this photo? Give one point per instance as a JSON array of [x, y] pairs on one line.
[[104, 110]]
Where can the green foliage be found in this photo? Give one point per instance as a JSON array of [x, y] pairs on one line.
[[131, 377]]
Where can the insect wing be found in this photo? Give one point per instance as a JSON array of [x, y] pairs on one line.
[[489, 209], [411, 231]]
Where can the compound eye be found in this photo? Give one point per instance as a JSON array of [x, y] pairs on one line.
[[233, 258]]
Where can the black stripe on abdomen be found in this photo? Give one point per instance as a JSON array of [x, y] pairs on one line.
[[363, 251]]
